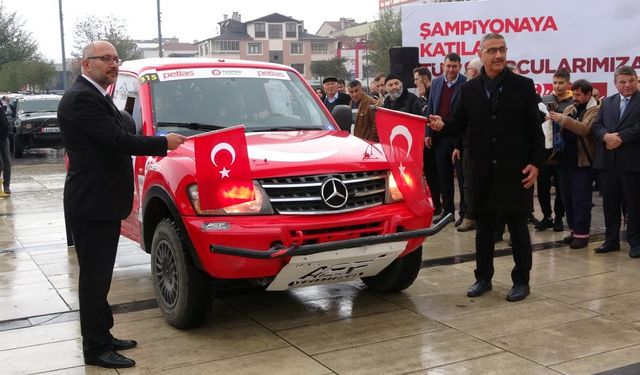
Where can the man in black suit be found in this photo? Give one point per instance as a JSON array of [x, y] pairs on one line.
[[98, 192], [499, 112], [617, 134]]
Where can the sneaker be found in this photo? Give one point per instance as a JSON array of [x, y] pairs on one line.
[[7, 191], [557, 225], [545, 223], [467, 225], [579, 243]]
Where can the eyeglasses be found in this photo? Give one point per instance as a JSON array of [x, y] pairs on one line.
[[493, 51], [107, 59]]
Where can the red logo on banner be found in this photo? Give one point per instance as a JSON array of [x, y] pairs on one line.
[[402, 139], [223, 173]]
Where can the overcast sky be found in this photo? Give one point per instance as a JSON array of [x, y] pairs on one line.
[[188, 20]]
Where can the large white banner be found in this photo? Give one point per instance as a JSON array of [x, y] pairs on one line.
[[590, 38]]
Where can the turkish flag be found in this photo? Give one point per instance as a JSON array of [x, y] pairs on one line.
[[223, 173], [402, 138]]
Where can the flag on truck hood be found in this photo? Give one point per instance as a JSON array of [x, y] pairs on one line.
[[402, 139], [223, 174]]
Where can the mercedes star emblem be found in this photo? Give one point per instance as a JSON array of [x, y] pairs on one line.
[[334, 193]]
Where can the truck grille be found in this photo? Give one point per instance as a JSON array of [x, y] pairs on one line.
[[303, 195]]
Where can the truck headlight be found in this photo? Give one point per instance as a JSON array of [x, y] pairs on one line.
[[393, 193], [259, 206]]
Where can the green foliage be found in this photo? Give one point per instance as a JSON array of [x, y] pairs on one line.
[[329, 68], [17, 75], [386, 33], [16, 44], [111, 29]]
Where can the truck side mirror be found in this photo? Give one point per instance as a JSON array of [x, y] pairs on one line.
[[342, 114]]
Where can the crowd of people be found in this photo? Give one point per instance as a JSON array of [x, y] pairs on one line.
[[489, 130]]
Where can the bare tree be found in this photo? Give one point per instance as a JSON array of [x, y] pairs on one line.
[[111, 29]]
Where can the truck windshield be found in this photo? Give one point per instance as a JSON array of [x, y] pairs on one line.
[[234, 97], [44, 105]]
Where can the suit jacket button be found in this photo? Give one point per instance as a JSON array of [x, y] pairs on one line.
[[495, 162], [493, 117]]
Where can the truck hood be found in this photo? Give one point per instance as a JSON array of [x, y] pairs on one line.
[[291, 153]]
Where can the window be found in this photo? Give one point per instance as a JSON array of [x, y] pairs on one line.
[[291, 30], [275, 31], [297, 49], [298, 67], [260, 31], [125, 96], [254, 48], [319, 48], [226, 47]]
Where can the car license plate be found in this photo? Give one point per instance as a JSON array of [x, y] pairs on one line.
[[51, 130], [336, 266]]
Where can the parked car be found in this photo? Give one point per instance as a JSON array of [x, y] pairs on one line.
[[294, 233], [36, 123]]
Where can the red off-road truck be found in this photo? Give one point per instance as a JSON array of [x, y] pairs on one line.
[[326, 207]]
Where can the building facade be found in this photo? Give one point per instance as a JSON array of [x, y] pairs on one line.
[[274, 38]]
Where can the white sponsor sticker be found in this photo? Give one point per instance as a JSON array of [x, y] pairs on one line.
[[336, 266], [199, 73]]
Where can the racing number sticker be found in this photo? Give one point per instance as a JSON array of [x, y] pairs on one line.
[[148, 78]]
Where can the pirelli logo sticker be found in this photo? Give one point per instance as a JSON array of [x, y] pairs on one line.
[[200, 73]]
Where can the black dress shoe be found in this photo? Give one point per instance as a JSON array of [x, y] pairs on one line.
[[543, 224], [567, 239], [123, 344], [634, 252], [607, 247], [479, 288], [110, 359], [518, 292], [557, 225], [532, 219]]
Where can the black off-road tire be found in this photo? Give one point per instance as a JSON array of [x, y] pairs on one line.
[[398, 275], [183, 292]]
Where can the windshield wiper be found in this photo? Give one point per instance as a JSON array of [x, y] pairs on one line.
[[191, 125], [281, 128]]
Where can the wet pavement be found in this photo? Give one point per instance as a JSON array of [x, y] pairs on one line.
[[581, 317]]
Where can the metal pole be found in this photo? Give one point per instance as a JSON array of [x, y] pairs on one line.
[[366, 60], [64, 59], [159, 33]]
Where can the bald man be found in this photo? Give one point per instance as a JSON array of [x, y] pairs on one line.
[[98, 192]]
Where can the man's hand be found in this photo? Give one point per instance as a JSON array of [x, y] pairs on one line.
[[555, 116], [175, 140], [428, 142], [532, 175], [435, 122], [455, 155], [612, 140]]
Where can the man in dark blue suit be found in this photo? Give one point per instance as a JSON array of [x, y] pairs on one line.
[[98, 192], [617, 134], [443, 96]]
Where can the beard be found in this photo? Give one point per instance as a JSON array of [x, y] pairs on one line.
[[395, 94]]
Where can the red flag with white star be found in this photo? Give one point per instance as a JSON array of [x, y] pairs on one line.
[[402, 138], [223, 174]]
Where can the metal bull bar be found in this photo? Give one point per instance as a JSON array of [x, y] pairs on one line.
[[281, 252]]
